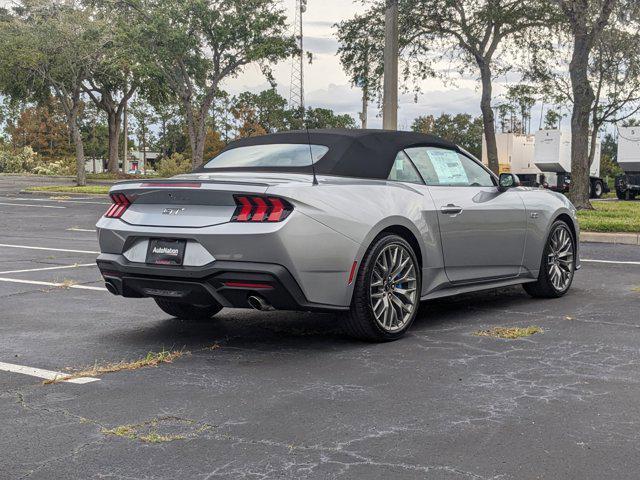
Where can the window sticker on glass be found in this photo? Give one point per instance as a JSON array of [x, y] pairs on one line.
[[448, 167]]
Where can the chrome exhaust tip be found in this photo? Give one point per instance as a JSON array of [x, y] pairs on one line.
[[259, 303]]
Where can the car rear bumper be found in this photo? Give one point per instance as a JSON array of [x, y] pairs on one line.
[[226, 282]]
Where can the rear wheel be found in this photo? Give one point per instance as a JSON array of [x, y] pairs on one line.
[[621, 194], [185, 311], [598, 189], [386, 295], [557, 266]]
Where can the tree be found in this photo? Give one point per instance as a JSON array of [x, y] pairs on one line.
[[460, 129], [257, 114], [42, 127], [144, 117], [196, 44], [598, 49], [51, 47], [117, 76], [471, 34], [522, 98], [326, 118]]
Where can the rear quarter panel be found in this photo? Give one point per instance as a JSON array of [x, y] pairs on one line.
[[361, 209]]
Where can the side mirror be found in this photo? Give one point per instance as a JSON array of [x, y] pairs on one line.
[[507, 181]]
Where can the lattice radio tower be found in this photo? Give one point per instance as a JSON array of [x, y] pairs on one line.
[[296, 93]]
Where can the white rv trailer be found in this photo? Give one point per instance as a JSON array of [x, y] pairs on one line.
[[515, 155], [628, 184], [552, 155]]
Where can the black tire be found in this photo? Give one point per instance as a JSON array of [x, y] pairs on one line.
[[360, 322], [184, 311], [598, 189], [544, 287], [621, 195]]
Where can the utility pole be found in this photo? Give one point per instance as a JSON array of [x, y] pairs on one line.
[[391, 52], [296, 92]]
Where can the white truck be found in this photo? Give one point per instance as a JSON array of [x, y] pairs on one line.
[[628, 184], [515, 155], [552, 155]]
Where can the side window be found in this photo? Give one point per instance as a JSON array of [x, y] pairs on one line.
[[439, 166], [403, 170]]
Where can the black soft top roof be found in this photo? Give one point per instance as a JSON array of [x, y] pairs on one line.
[[352, 153]]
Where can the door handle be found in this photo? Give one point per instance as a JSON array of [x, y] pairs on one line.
[[451, 209]]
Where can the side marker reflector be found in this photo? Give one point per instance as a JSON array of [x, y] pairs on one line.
[[353, 273]]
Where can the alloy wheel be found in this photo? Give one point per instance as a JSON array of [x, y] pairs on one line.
[[560, 259], [393, 288]]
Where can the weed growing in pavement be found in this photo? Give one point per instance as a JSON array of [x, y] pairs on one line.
[[510, 333], [152, 359], [159, 430]]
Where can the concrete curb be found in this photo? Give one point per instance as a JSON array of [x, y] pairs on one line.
[[615, 238]]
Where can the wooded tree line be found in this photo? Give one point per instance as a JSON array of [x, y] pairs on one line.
[[73, 72], [581, 55]]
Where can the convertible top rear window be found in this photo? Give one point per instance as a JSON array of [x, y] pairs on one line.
[[274, 155]]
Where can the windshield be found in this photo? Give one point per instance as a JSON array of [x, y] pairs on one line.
[[269, 155]]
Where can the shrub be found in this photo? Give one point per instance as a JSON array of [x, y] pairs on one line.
[[62, 166], [174, 165], [22, 160]]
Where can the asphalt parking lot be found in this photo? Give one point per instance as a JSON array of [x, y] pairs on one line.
[[285, 395]]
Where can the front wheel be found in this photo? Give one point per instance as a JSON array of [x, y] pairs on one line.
[[557, 266], [184, 311], [386, 295]]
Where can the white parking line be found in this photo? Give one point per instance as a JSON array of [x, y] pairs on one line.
[[59, 267], [76, 229], [46, 374], [47, 249], [55, 200], [52, 284], [613, 262], [30, 205]]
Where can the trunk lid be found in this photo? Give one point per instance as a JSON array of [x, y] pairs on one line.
[[193, 200]]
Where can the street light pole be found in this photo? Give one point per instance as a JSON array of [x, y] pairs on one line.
[[390, 88]]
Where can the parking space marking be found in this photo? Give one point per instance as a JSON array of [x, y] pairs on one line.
[[77, 200], [613, 262], [75, 229], [45, 374], [47, 248], [52, 284], [59, 267], [31, 205]]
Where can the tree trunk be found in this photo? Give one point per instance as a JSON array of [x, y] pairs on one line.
[[113, 123], [583, 98], [125, 149], [81, 176], [487, 118], [197, 128], [365, 105]]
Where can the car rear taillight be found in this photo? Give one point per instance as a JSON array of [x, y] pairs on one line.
[[120, 205], [252, 208]]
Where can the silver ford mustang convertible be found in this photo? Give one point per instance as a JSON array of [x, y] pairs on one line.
[[362, 222]]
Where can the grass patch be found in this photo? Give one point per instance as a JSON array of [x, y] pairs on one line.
[[66, 283], [152, 359], [158, 430], [87, 189], [510, 333], [617, 216]]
